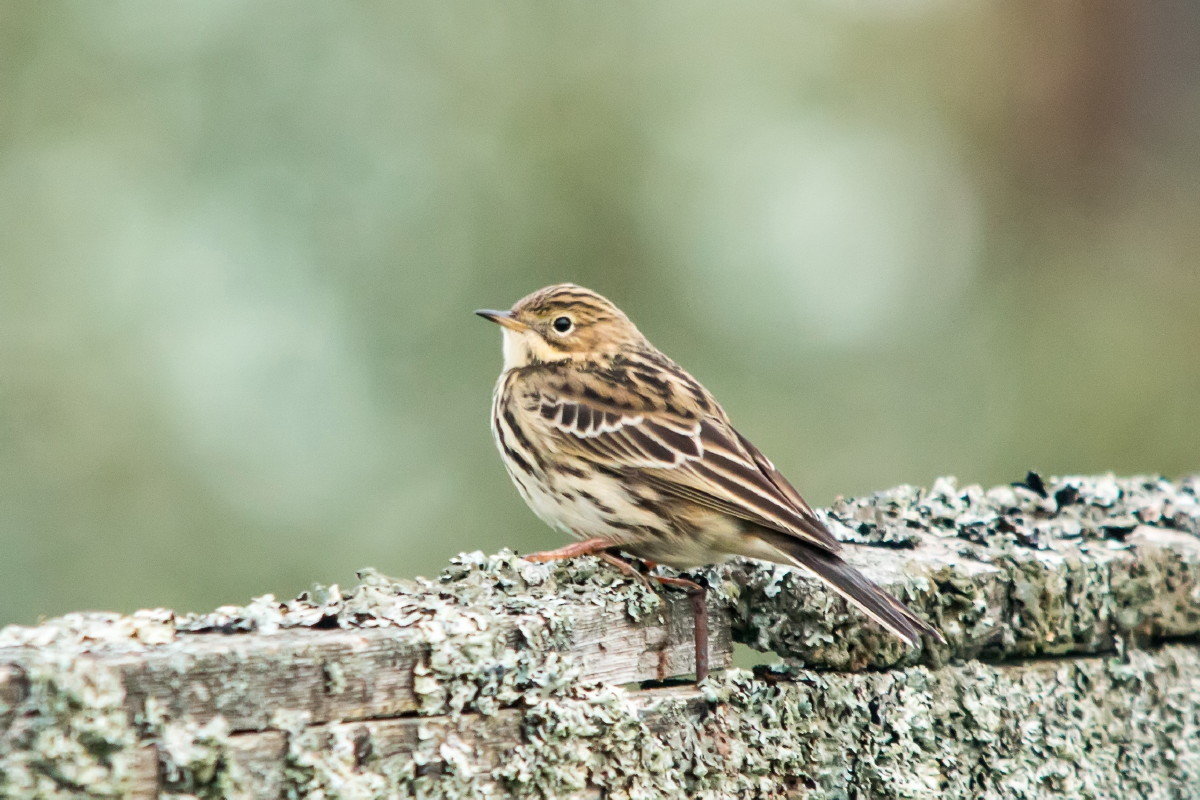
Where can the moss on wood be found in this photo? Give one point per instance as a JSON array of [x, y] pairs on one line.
[[1070, 607]]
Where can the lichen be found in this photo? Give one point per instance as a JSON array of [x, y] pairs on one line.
[[473, 663], [1031, 513], [71, 728], [191, 756], [131, 632], [327, 762], [1089, 728], [1039, 567], [1044, 567], [473, 587], [70, 732]]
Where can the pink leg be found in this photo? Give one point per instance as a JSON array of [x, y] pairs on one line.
[[695, 591], [584, 548], [629, 569]]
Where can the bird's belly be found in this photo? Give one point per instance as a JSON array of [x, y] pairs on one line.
[[592, 506], [601, 507], [545, 503], [705, 537]]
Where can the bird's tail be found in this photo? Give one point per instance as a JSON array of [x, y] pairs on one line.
[[852, 585]]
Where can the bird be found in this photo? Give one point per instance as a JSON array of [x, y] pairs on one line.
[[612, 443]]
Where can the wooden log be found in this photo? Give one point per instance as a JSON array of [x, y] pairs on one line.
[[245, 664], [1010, 572], [1071, 609], [1082, 727]]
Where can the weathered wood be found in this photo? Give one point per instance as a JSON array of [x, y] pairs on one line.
[[1005, 573], [1086, 727], [504, 678], [493, 632], [368, 672]]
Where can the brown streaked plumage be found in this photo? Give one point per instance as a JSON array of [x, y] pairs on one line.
[[611, 442]]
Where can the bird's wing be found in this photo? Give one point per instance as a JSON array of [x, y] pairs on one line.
[[678, 439]]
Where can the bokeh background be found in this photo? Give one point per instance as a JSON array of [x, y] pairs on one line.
[[240, 244]]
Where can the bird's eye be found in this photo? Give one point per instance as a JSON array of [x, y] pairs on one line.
[[562, 324]]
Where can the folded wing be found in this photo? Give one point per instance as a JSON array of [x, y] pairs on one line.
[[682, 451]]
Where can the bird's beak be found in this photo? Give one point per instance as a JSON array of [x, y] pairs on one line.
[[504, 318]]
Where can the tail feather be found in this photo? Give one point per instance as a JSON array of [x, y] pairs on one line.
[[852, 585]]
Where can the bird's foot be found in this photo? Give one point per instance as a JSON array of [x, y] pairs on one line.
[[628, 569], [572, 550], [696, 593]]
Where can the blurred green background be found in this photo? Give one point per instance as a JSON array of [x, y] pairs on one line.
[[240, 244]]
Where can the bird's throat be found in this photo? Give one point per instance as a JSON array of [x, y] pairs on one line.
[[523, 348]]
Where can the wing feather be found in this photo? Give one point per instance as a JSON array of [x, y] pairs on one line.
[[774, 475], [698, 457]]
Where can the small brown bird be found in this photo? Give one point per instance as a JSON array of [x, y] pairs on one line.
[[611, 442]]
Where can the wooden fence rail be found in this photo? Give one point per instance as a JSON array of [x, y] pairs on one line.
[[1071, 609]]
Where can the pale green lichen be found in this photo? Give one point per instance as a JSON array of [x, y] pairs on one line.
[[1088, 728], [472, 588], [191, 756], [69, 733], [1034, 569], [473, 662], [71, 726], [1031, 513], [131, 632], [327, 762]]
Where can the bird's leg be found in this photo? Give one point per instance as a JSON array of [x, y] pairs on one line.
[[697, 594], [583, 548], [625, 567]]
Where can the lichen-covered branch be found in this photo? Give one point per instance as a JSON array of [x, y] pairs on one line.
[[1086, 727], [1064, 566], [1071, 609]]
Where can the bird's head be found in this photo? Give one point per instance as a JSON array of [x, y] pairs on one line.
[[562, 322]]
